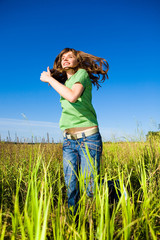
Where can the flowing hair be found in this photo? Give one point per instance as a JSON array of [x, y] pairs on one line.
[[96, 67]]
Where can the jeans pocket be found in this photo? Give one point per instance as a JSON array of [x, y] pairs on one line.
[[96, 146], [93, 142]]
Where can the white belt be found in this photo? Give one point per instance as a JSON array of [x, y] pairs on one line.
[[85, 133]]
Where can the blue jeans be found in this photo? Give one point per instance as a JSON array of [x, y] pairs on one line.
[[81, 156]]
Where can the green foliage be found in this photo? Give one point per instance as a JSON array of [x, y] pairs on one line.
[[33, 203]]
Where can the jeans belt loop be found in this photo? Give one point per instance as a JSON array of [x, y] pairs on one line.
[[83, 135]]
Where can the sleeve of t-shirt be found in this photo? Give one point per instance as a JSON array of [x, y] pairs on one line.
[[81, 77]]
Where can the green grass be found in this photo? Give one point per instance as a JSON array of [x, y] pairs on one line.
[[33, 203]]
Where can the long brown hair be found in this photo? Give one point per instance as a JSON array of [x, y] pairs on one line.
[[96, 67]]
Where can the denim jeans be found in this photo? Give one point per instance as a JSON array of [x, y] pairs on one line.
[[79, 157]]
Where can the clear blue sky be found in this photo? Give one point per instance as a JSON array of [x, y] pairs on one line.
[[126, 33]]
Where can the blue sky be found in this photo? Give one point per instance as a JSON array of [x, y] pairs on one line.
[[125, 33]]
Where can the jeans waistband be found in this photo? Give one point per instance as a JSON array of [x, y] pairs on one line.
[[85, 133]]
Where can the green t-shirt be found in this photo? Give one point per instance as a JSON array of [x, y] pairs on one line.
[[81, 113]]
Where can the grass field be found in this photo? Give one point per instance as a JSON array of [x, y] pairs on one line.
[[33, 203]]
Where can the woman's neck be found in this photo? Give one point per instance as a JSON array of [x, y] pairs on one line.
[[70, 73]]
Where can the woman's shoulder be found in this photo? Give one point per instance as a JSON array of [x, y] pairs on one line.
[[82, 71], [82, 76]]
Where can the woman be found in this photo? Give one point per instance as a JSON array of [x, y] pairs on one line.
[[72, 77]]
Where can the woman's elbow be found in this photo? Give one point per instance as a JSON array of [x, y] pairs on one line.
[[73, 99]]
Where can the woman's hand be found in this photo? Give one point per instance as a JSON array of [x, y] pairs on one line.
[[46, 76], [70, 95]]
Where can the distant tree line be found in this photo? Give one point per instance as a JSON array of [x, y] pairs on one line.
[[153, 135]]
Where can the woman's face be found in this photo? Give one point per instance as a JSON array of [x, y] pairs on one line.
[[69, 60]]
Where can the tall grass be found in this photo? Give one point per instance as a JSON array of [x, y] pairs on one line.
[[33, 203]]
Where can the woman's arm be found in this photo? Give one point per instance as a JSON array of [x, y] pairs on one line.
[[69, 94]]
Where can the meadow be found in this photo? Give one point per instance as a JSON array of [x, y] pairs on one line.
[[33, 203]]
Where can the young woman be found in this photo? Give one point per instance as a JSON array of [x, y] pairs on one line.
[[72, 77]]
